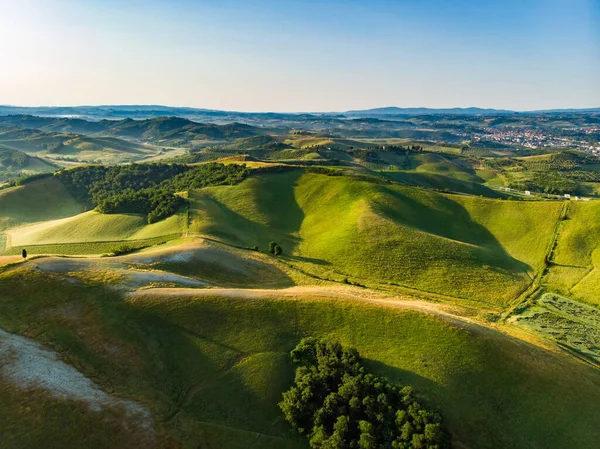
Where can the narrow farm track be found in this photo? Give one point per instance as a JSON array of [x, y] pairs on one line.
[[533, 288]]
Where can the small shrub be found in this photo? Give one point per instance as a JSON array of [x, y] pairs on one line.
[[122, 249]]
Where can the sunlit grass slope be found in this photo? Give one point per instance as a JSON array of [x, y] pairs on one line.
[[442, 165], [95, 227], [212, 369], [575, 267], [441, 182], [41, 200], [469, 247]]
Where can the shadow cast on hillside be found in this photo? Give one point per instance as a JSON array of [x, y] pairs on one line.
[[450, 220], [308, 259], [274, 200], [198, 374]]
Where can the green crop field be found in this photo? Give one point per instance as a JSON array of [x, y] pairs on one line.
[[211, 369], [374, 232], [569, 323]]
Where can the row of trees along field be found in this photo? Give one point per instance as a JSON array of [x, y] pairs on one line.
[[337, 404], [144, 188]]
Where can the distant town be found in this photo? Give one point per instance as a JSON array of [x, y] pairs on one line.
[[543, 138]]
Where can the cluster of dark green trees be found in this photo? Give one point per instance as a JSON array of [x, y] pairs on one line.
[[149, 189], [338, 405], [555, 183]]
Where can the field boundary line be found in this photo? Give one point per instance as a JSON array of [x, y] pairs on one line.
[[535, 285]]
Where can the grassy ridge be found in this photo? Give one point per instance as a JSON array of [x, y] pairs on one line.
[[207, 365], [463, 246]]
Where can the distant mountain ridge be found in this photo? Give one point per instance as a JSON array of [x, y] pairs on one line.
[[393, 110], [117, 112]]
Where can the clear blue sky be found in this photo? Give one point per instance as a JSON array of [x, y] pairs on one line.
[[279, 55]]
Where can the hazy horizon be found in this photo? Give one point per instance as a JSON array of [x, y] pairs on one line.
[[149, 105], [302, 56]]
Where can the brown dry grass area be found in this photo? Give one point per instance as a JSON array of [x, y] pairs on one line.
[[7, 260]]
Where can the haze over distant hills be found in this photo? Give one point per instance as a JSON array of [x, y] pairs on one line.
[[149, 111]]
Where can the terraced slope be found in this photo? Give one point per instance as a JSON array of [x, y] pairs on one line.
[[475, 248]]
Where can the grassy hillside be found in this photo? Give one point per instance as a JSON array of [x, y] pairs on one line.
[[175, 130], [333, 226], [441, 182], [443, 165], [159, 129], [15, 163], [469, 247], [326, 142], [95, 227], [212, 369], [40, 200], [576, 258]]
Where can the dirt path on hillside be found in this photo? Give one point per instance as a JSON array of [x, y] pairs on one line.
[[27, 364]]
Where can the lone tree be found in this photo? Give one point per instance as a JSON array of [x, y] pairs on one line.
[[24, 254], [277, 250], [272, 246]]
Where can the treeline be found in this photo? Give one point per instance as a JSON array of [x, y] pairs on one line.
[[556, 183], [336, 403], [149, 189]]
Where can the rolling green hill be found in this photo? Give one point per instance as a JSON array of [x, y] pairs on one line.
[[208, 365], [14, 163], [40, 200], [575, 267], [94, 227], [338, 226], [72, 146], [211, 368], [372, 232], [175, 131], [114, 141], [441, 182]]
